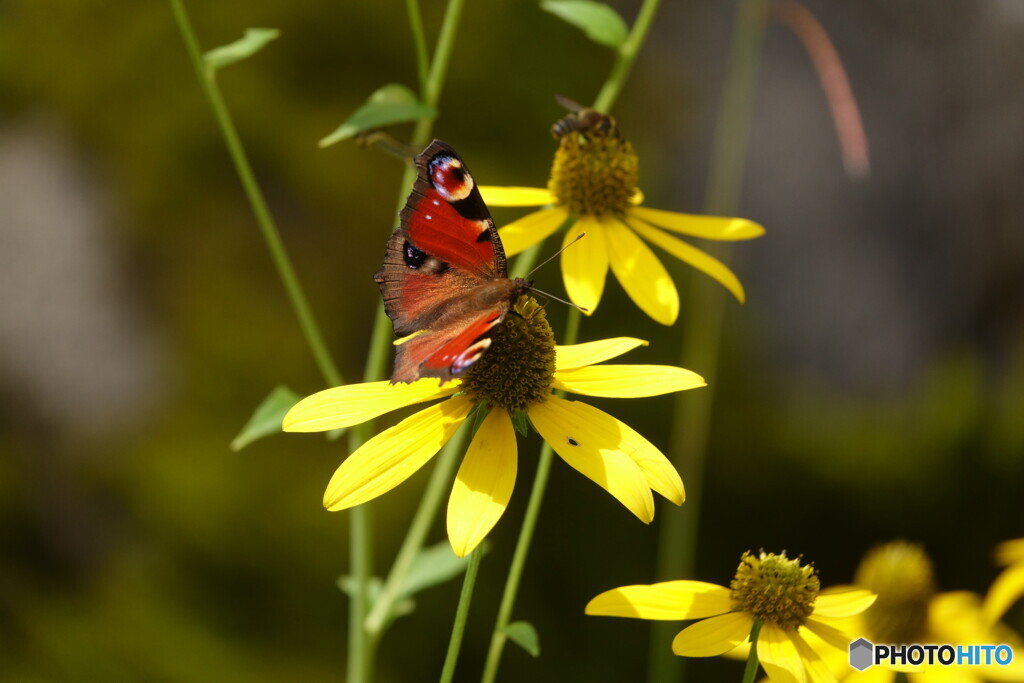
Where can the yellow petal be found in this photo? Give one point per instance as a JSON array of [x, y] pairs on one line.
[[515, 196], [1006, 590], [778, 656], [815, 667], [585, 264], [1009, 552], [838, 602], [391, 457], [707, 227], [484, 483], [592, 443], [641, 274], [829, 633], [531, 229], [627, 381], [352, 404], [692, 255], [588, 353], [714, 636], [666, 601]]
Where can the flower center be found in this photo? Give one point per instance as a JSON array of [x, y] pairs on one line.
[[594, 174], [519, 367], [775, 589], [902, 576]]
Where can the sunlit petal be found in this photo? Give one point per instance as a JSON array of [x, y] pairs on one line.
[[815, 667], [585, 264], [667, 601], [641, 274], [692, 255], [592, 443], [515, 196], [531, 229], [577, 355], [842, 601], [707, 227], [1006, 590], [484, 483], [778, 656], [627, 381], [1009, 552], [391, 457], [714, 636], [829, 633], [352, 404]]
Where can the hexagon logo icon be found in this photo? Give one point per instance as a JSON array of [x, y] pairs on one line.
[[861, 654]]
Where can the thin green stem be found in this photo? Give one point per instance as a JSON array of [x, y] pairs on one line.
[[412, 7], [461, 614], [750, 672], [426, 512], [706, 302], [515, 571], [271, 236], [625, 56]]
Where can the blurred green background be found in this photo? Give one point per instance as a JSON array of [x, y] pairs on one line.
[[870, 388]]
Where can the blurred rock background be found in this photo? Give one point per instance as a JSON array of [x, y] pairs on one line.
[[870, 387]]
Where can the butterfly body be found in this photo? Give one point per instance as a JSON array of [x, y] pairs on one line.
[[444, 280]]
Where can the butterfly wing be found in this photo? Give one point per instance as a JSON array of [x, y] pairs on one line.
[[444, 276]]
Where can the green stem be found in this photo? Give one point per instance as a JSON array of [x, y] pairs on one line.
[[706, 303], [461, 613], [627, 53], [426, 512], [750, 672], [271, 236], [515, 571], [412, 7]]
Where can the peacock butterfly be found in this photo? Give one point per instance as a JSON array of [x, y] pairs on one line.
[[444, 279]]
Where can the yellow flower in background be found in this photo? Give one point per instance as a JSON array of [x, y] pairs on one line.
[[1009, 585], [779, 592], [593, 189], [909, 610], [515, 377]]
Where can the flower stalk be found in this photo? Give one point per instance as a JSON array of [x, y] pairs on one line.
[[461, 614], [750, 672]]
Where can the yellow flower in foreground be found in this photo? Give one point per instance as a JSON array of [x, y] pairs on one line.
[[780, 593], [593, 189], [514, 377], [909, 610], [1008, 586]]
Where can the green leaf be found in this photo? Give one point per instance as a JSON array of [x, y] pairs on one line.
[[520, 422], [601, 23], [390, 104], [249, 44], [347, 585], [266, 419], [523, 634], [433, 566]]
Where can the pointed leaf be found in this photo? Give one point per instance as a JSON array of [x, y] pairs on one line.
[[523, 634], [402, 607], [433, 566], [390, 104], [601, 23], [249, 44], [266, 419]]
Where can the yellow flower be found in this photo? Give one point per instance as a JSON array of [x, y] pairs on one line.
[[1008, 586], [513, 377], [779, 592], [593, 189], [909, 610]]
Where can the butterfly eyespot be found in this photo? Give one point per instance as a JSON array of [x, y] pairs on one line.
[[449, 178], [414, 258], [572, 441]]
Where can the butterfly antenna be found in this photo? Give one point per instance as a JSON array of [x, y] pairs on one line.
[[545, 261], [561, 301]]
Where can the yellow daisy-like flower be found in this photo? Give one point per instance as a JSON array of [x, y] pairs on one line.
[[779, 592], [1009, 585], [515, 376], [593, 187], [909, 610]]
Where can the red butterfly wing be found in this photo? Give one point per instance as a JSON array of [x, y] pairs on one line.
[[444, 275]]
